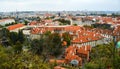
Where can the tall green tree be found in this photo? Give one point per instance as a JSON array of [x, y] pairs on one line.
[[13, 37], [21, 37], [5, 32], [17, 47], [26, 22], [55, 46], [37, 46]]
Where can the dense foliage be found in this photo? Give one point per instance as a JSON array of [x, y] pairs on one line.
[[13, 37], [14, 55], [48, 45], [102, 26], [103, 57], [63, 21], [24, 60]]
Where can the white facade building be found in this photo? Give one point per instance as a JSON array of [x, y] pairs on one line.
[[6, 21]]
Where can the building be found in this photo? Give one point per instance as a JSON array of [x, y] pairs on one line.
[[16, 27], [6, 21]]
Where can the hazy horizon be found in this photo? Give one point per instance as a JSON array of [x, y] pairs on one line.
[[59, 5]]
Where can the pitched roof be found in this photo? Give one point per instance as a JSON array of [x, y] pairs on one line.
[[87, 36], [33, 23], [13, 27], [72, 52]]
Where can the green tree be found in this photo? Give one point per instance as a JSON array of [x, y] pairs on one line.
[[102, 56], [23, 60], [21, 37], [17, 47], [26, 22], [47, 33], [67, 37], [5, 56], [37, 46], [5, 32], [75, 24], [63, 21], [55, 47], [38, 19], [13, 37]]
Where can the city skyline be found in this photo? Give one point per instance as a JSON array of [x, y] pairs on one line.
[[59, 5]]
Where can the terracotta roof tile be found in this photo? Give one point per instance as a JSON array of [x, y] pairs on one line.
[[13, 27]]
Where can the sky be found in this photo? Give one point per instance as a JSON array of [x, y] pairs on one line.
[[59, 5]]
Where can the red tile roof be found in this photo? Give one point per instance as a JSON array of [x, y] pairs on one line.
[[116, 31], [33, 23], [86, 36], [48, 21], [47, 15], [67, 29], [38, 31], [72, 53], [13, 27]]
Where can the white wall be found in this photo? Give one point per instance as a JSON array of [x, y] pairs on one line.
[[6, 21]]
